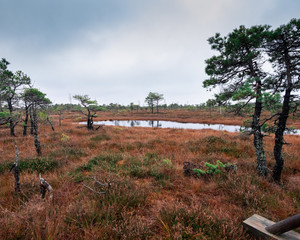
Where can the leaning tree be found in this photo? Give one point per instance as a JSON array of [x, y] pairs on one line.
[[11, 84], [35, 100], [90, 107], [238, 70], [283, 48]]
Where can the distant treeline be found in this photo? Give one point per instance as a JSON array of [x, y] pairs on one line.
[[209, 106]]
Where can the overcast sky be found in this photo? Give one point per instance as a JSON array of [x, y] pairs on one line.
[[120, 50]]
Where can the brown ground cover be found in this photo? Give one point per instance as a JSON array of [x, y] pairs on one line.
[[150, 197]]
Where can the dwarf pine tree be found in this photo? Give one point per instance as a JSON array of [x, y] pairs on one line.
[[283, 47], [238, 69]]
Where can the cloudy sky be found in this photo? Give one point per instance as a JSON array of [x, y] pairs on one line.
[[120, 50]]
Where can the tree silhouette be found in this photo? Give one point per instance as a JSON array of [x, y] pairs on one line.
[[91, 108], [154, 98]]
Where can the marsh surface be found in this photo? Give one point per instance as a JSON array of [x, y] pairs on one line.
[[172, 124]]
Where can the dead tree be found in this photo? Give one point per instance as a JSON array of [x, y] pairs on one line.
[[15, 167], [107, 185], [44, 187]]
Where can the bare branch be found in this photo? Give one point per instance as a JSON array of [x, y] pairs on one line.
[[95, 190], [99, 183], [237, 111], [100, 126], [268, 119], [83, 112]]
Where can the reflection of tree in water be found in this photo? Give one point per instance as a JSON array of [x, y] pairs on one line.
[[170, 124], [152, 123], [134, 123]]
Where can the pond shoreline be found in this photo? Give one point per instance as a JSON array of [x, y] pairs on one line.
[[158, 123]]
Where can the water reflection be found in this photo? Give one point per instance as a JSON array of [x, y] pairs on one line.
[[155, 124], [170, 124]]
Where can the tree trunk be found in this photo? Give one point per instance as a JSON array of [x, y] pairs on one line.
[[11, 122], [89, 121], [59, 120], [279, 138], [48, 120], [258, 137], [25, 121], [261, 166], [31, 121], [281, 125], [35, 132], [16, 171]]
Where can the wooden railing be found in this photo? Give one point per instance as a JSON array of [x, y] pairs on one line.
[[263, 228]]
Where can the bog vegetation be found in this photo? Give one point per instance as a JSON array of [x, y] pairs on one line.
[[138, 183]]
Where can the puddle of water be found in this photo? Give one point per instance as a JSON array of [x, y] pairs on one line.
[[171, 124]]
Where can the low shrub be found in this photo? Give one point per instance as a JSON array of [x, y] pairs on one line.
[[104, 161], [181, 221], [100, 138], [39, 165]]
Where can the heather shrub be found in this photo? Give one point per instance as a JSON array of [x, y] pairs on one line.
[[181, 221], [40, 165]]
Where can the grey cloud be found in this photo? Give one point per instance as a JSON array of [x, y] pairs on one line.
[[120, 50]]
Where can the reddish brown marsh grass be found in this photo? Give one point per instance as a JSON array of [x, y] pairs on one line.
[[150, 198]]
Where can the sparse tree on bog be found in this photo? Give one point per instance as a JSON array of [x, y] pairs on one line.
[[283, 47], [154, 98], [237, 68], [91, 108], [10, 87], [35, 100]]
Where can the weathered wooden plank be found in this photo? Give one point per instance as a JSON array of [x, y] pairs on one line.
[[285, 225], [257, 226]]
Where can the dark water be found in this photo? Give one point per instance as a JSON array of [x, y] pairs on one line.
[[171, 124]]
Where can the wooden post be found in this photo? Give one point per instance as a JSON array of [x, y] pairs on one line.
[[256, 225], [285, 225]]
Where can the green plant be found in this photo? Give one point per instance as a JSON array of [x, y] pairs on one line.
[[167, 163], [104, 161], [211, 169], [39, 165], [64, 137], [199, 172], [100, 138]]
